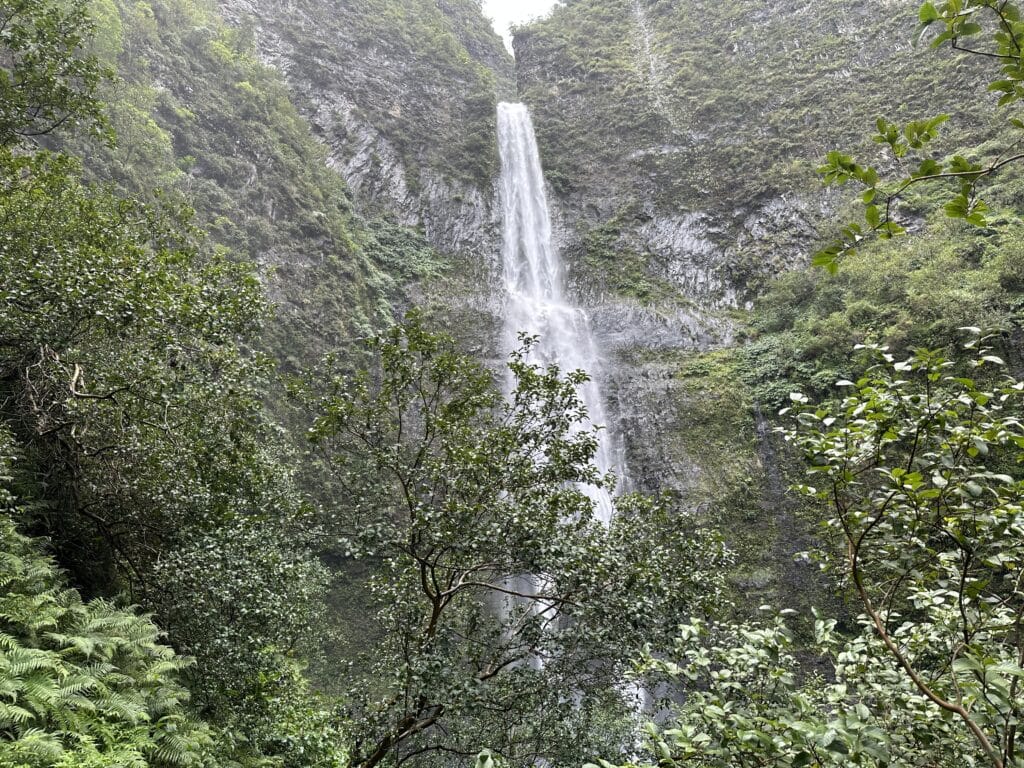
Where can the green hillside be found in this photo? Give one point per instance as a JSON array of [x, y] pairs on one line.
[[721, 112], [272, 495]]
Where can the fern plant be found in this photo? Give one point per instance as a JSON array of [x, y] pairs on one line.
[[82, 685]]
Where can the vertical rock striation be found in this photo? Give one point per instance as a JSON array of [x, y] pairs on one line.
[[403, 95]]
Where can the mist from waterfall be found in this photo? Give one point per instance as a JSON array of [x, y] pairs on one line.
[[534, 281]]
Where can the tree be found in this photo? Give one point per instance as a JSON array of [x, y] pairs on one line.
[[505, 610], [119, 346], [47, 78], [129, 384], [751, 702], [81, 684], [914, 467], [127, 380], [241, 599], [992, 29], [913, 470]]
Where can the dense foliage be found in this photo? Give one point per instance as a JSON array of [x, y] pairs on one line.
[[83, 684], [753, 704], [495, 587], [134, 404], [47, 80], [161, 582], [903, 293], [913, 470], [140, 415]]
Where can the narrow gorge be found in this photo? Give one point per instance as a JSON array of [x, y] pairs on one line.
[[279, 487]]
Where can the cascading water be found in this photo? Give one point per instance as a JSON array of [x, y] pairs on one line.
[[536, 298], [534, 279]]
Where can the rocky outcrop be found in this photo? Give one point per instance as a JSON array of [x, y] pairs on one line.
[[710, 119], [403, 95]]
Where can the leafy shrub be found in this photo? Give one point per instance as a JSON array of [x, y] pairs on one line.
[[82, 684]]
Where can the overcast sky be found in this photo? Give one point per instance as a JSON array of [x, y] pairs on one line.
[[505, 12]]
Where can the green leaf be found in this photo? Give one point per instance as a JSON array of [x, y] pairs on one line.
[[838, 746], [927, 167], [927, 14], [942, 38], [828, 258], [968, 664]]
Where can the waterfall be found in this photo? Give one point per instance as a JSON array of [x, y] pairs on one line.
[[534, 280]]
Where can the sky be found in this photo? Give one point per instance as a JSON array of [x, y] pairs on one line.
[[505, 12]]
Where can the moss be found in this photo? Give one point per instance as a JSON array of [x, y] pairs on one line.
[[726, 108], [707, 424], [915, 291], [606, 261]]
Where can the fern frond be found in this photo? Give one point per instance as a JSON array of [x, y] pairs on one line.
[[21, 661], [40, 690], [123, 707], [34, 744], [83, 685], [11, 714]]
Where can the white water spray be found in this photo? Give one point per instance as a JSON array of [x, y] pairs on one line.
[[534, 280]]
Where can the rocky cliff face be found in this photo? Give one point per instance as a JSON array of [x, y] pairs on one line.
[[403, 95], [680, 139], [349, 150], [709, 118], [697, 125]]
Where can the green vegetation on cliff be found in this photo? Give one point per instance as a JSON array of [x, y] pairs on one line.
[[721, 112], [200, 119], [135, 440], [421, 74], [907, 293], [161, 583], [203, 120]]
